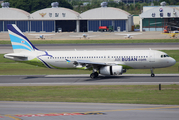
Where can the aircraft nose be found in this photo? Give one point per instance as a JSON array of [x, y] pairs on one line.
[[173, 61]]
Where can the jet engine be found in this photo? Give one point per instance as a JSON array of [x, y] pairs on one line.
[[111, 70]]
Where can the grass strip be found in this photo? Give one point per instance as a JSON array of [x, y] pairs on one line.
[[97, 41], [133, 94], [10, 67]]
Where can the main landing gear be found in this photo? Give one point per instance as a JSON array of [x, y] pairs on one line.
[[94, 75], [152, 74]]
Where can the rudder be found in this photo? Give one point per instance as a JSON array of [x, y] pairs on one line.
[[19, 41]]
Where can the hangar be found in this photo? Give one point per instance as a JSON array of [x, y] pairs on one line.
[[155, 18], [106, 16], [50, 19], [14, 16]]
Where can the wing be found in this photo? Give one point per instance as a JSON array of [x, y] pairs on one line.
[[135, 33], [93, 36], [41, 34], [48, 34], [75, 36], [121, 34], [89, 64], [129, 34]]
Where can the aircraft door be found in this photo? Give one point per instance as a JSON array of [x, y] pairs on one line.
[[151, 56]]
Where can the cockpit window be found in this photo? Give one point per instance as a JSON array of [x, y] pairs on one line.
[[164, 56]]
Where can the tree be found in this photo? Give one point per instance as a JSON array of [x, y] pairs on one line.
[[34, 5]]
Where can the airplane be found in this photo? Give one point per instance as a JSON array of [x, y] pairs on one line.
[[104, 62], [129, 35], [172, 35], [41, 36], [83, 36]]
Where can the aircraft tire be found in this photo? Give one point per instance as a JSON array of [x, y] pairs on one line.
[[152, 75], [94, 75]]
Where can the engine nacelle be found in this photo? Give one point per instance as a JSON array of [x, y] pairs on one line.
[[111, 70]]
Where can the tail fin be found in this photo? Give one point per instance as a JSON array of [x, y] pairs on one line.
[[19, 41]]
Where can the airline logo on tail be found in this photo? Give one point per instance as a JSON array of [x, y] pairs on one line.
[[18, 40]]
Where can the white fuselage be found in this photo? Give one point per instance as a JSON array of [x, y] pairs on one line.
[[136, 59]]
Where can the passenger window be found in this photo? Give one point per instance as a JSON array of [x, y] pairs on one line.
[[164, 55]]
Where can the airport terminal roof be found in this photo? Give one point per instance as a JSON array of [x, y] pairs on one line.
[[104, 13], [13, 14]]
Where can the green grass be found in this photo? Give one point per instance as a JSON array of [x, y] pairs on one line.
[[134, 94], [10, 67], [97, 41]]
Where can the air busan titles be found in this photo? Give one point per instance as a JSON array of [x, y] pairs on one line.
[[111, 62]]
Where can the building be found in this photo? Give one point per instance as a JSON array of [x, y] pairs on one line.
[[106, 16], [51, 19], [14, 16], [155, 18]]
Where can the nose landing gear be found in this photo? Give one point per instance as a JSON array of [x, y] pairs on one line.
[[152, 74]]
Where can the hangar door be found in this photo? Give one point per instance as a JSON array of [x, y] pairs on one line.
[[6, 23], [83, 25], [66, 25], [121, 24], [1, 26], [93, 25]]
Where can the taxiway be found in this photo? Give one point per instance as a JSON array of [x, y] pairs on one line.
[[125, 79], [85, 111]]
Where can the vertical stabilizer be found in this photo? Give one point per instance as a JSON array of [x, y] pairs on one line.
[[19, 41]]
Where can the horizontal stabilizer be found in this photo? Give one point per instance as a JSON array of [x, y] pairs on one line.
[[15, 56]]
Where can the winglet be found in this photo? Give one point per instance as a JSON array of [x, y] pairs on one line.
[[18, 40]]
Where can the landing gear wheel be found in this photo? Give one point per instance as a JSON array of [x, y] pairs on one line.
[[152, 75], [94, 75]]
